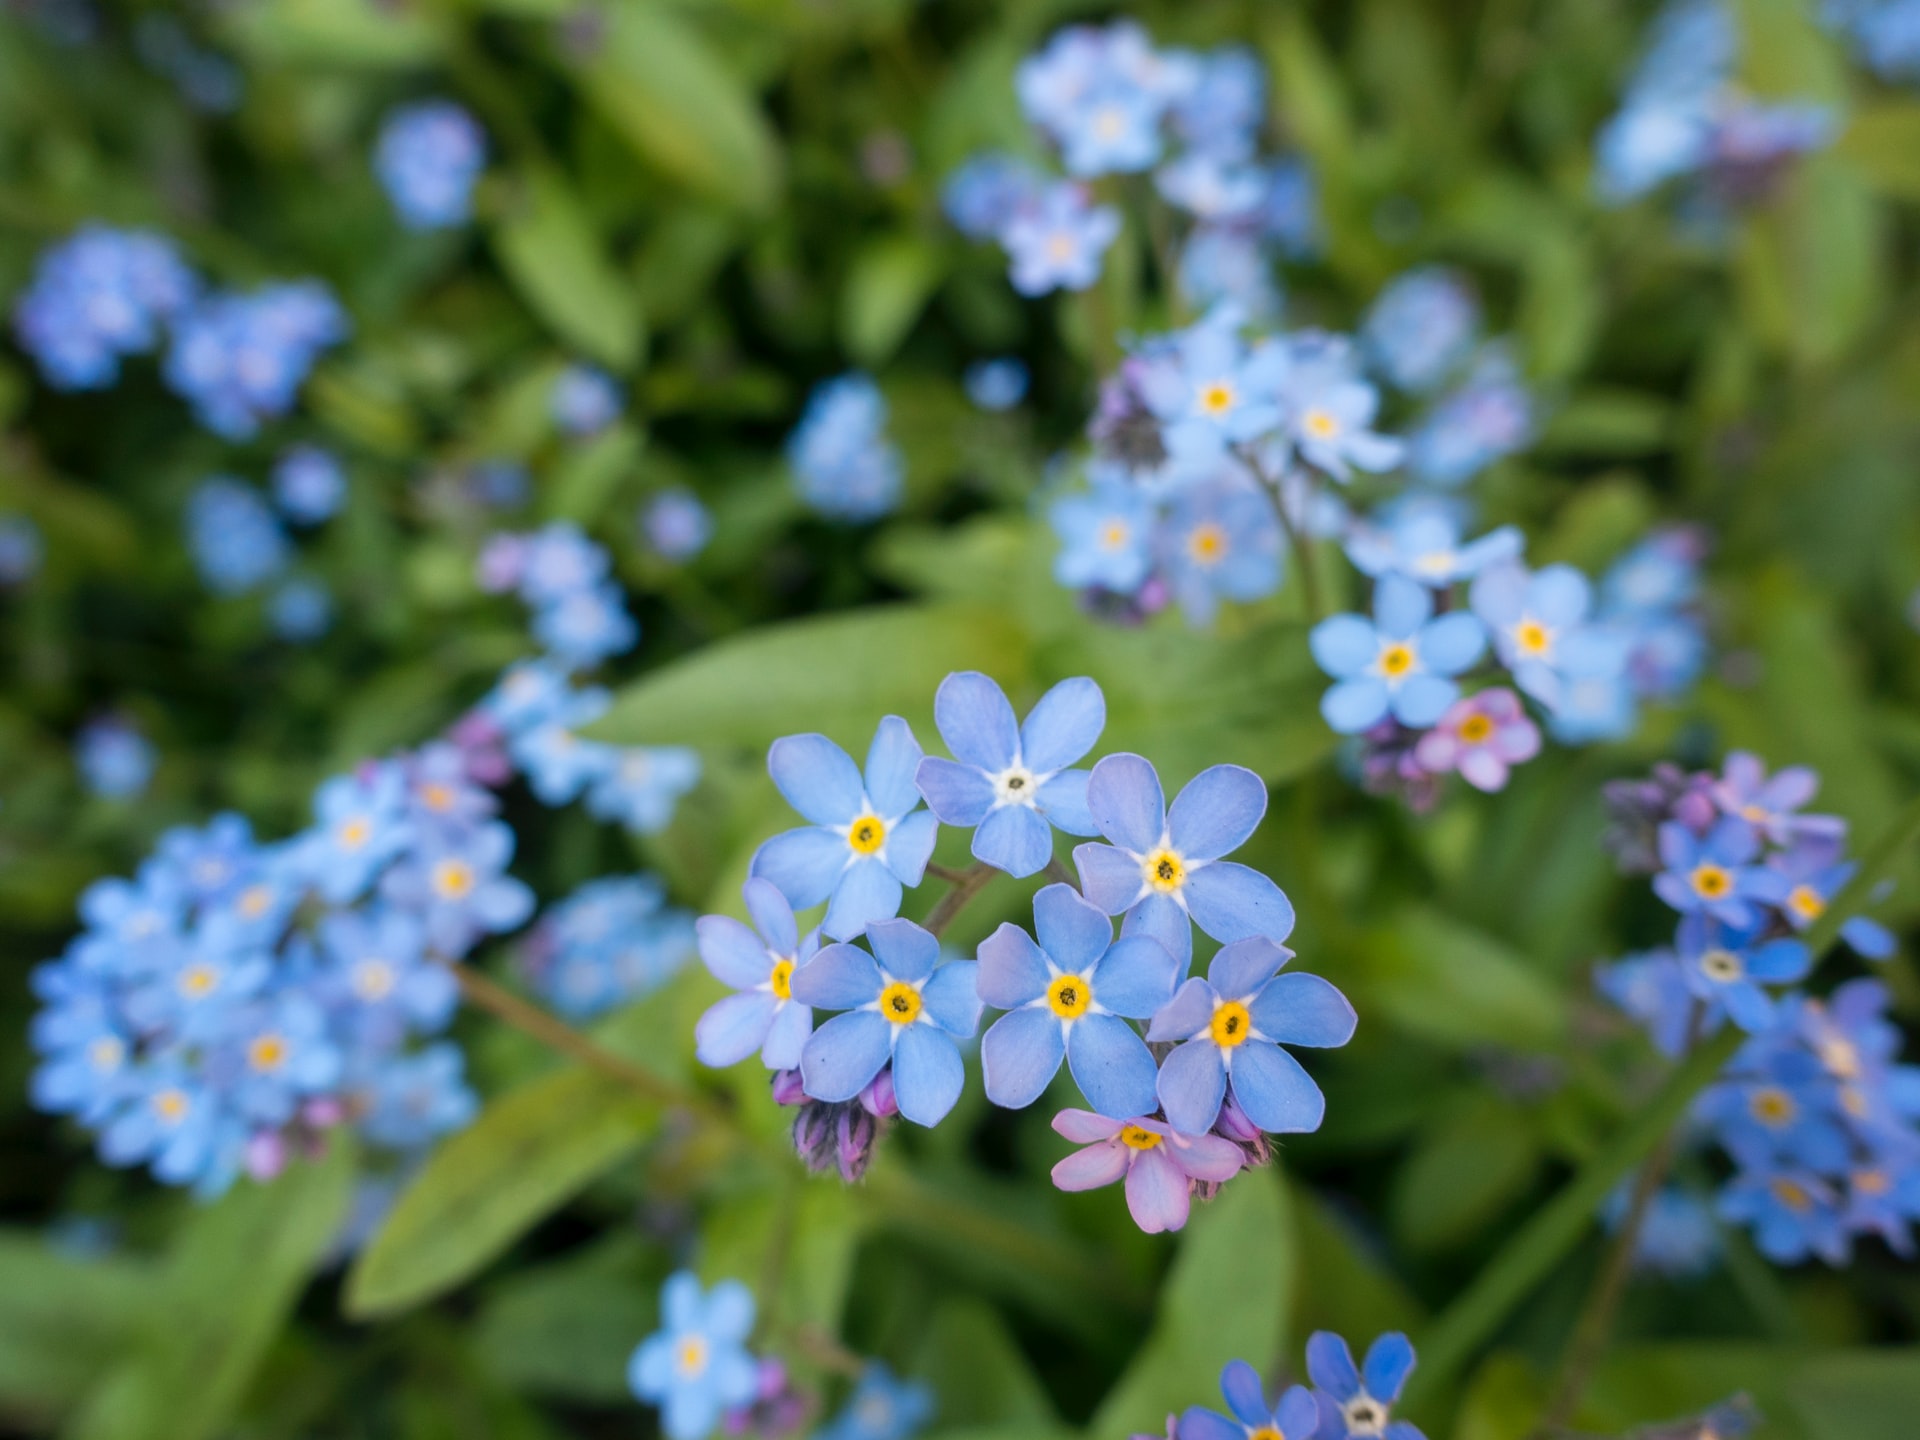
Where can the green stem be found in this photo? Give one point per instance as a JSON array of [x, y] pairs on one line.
[[970, 883]]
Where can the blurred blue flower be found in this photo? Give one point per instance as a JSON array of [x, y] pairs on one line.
[[696, 1366], [1221, 110], [114, 759], [97, 296], [760, 964], [558, 764], [1540, 629], [676, 525], [643, 785], [1488, 416], [1726, 969], [428, 156], [411, 1100], [172, 1122], [1793, 1213], [282, 1053], [301, 610], [1209, 390], [984, 194], [1678, 1236], [585, 401], [360, 824], [586, 626], [1291, 213], [1714, 873], [376, 973], [611, 941], [459, 887], [1329, 422], [1423, 543], [21, 549], [880, 1408], [236, 539], [1421, 328], [1220, 541], [1059, 241], [997, 384], [1106, 537], [1009, 782], [1402, 662], [845, 466], [309, 484], [240, 360], [1801, 880], [1226, 265]]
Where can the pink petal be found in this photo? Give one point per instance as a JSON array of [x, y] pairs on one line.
[[1483, 769], [1092, 1167], [1208, 1157], [1083, 1127], [1156, 1192]]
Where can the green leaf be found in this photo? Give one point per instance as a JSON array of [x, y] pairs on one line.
[[1859, 1396], [657, 82], [1227, 1296], [1428, 975], [977, 1370], [888, 285], [357, 33], [1463, 1173], [529, 1153], [550, 251], [804, 1230], [64, 1321], [1608, 423], [566, 1329], [585, 483], [1882, 143], [837, 674], [231, 1279]]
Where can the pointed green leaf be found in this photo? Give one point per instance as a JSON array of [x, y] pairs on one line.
[[550, 251], [887, 287]]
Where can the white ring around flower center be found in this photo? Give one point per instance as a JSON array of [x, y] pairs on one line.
[[1015, 785]]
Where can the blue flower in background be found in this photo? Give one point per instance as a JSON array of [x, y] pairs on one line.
[[171, 1121], [1402, 662], [1726, 968], [1803, 879], [559, 560], [1164, 867], [86, 1053], [1712, 873], [585, 627], [643, 786], [194, 992], [585, 401], [903, 1007], [1227, 1031], [1793, 1213], [1009, 782], [1540, 628], [998, 384], [869, 836], [282, 1053], [1293, 1417], [1886, 33], [1219, 542], [1100, 93], [96, 297], [459, 887], [676, 525], [558, 764], [842, 461], [1782, 1110], [235, 538], [696, 1366], [1678, 1236], [1226, 265], [1210, 391], [881, 1408], [1291, 214], [1059, 241], [1489, 416], [413, 1099], [360, 824], [760, 964], [1357, 1402], [115, 760], [1222, 109], [1421, 328], [240, 360], [1106, 539], [301, 610], [377, 973], [1423, 543], [1069, 997], [21, 549], [611, 941], [309, 484], [983, 195], [1599, 706], [428, 157], [1216, 189]]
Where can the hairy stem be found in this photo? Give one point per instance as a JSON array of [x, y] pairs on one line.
[[1059, 873], [968, 884]]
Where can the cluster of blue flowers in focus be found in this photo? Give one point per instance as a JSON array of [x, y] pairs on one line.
[[428, 156], [1186, 1076], [839, 453], [1817, 1114], [1345, 1401]]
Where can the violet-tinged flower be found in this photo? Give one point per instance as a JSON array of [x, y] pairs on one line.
[[1010, 780], [759, 964], [1356, 1403], [1295, 1417], [1059, 241], [1421, 327], [1065, 998], [676, 525], [1164, 866], [1482, 736], [869, 836], [1802, 882], [1770, 804], [902, 1008], [1636, 809], [1159, 1166], [1402, 662], [1713, 873], [1220, 541], [1228, 1029], [427, 157]]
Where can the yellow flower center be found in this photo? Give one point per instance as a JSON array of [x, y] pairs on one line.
[[198, 981], [1771, 1106], [1754, 814], [373, 980], [1530, 637], [1060, 246], [781, 980], [1396, 660], [1217, 398], [1069, 996], [900, 1003], [106, 1053], [691, 1357], [1805, 901], [267, 1052], [867, 834], [1872, 1182], [1109, 122], [1207, 543], [453, 879], [437, 796], [1476, 730], [1113, 535], [354, 833], [1710, 881], [1853, 1100], [1165, 871], [1721, 965], [1137, 1137], [171, 1106], [1840, 1057], [1320, 424], [1231, 1024], [254, 902], [1791, 1194]]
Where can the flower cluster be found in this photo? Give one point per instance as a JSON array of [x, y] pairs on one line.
[[611, 941], [579, 616], [841, 459], [239, 544], [1345, 1402], [697, 1369], [240, 359], [428, 157], [1684, 116], [1179, 1106], [96, 297], [1107, 102], [1815, 1111]]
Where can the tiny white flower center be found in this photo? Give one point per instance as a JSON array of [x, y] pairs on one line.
[[1015, 785]]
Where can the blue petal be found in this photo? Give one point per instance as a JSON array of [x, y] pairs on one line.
[[1199, 1423], [729, 1311], [733, 1028], [840, 977], [1404, 1430], [1192, 1083], [1063, 800], [891, 761], [1400, 606], [910, 846], [1297, 1009], [1298, 1413], [844, 1054], [1499, 594], [1014, 839], [650, 1370], [772, 915], [904, 950], [1276, 1093], [1063, 726], [1217, 812], [1344, 645], [1109, 878], [1186, 1014], [689, 1412], [1330, 1365], [1012, 969], [952, 997], [1234, 902], [735, 1377], [1389, 1362], [958, 794], [1020, 1054], [1558, 596], [1869, 937], [1240, 1384], [1073, 933], [1420, 700], [927, 1074], [1136, 977], [867, 892], [1780, 962], [734, 954], [817, 777], [1127, 803], [805, 864], [1111, 1064], [680, 1302], [976, 721], [1160, 918], [1452, 643], [787, 1037], [1242, 968], [1355, 705]]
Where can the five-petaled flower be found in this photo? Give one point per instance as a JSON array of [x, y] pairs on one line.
[[1357, 1403], [1711, 873], [1010, 780], [696, 1366], [1402, 662], [1229, 1028], [902, 1007], [1482, 736], [1065, 997], [868, 838], [760, 964], [1294, 1417], [1160, 1165], [1726, 968], [1541, 631]]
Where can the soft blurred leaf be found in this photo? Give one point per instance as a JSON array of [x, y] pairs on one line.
[[550, 251], [64, 1321], [1882, 142], [978, 1373], [1607, 423], [1464, 1172], [334, 32], [567, 1328], [888, 285], [805, 1231], [1429, 975]]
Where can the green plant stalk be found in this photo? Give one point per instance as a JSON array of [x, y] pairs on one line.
[[969, 883], [1544, 1241]]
